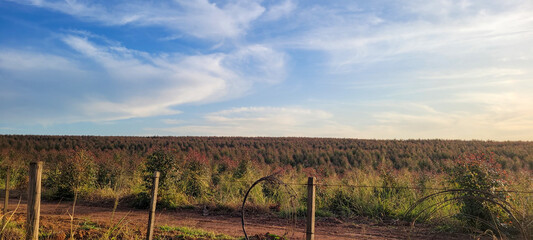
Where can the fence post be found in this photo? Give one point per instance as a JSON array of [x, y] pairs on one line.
[[6, 202], [310, 233], [151, 217], [34, 201]]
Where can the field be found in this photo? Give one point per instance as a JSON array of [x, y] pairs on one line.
[[365, 187]]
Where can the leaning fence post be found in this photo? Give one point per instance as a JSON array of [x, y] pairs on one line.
[[310, 233], [34, 201], [151, 217]]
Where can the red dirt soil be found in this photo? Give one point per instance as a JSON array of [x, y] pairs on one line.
[[55, 215]]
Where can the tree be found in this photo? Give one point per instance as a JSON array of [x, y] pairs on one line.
[[167, 166], [117, 173], [79, 172], [12, 165]]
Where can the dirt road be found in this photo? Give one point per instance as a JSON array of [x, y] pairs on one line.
[[56, 215]]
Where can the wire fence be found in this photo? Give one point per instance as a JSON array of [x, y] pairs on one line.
[[403, 187], [388, 187], [490, 196], [343, 185]]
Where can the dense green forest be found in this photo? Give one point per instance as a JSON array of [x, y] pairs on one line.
[[217, 171], [323, 153]]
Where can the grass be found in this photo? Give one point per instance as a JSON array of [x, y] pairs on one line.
[[88, 225], [192, 233], [13, 230]]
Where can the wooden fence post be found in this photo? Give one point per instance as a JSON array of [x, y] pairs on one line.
[[6, 202], [34, 201], [310, 233], [151, 217]]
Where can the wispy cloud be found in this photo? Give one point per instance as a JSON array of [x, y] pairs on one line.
[[282, 116], [440, 28], [153, 84], [171, 121], [130, 83], [279, 10], [503, 115], [265, 121], [23, 61], [197, 18], [485, 73]]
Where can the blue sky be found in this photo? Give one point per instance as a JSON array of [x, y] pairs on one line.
[[357, 69]]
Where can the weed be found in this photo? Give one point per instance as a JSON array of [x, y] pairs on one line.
[[193, 233], [88, 225]]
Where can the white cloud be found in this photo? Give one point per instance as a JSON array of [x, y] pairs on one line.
[[23, 61], [127, 83], [265, 115], [259, 63], [486, 30], [503, 115], [385, 120], [265, 121], [198, 18], [153, 84], [279, 10], [171, 121], [485, 73]]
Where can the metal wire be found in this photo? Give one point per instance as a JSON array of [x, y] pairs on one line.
[[404, 187]]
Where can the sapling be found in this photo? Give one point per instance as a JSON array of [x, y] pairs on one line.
[[80, 167]]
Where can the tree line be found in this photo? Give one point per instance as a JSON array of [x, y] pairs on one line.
[[327, 154]]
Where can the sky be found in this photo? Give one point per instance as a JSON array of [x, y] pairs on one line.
[[346, 69]]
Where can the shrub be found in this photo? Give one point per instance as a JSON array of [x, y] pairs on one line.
[[167, 166], [195, 179], [70, 175], [343, 204], [481, 178]]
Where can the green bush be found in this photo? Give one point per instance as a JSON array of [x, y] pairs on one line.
[[196, 176], [481, 178], [69, 175], [344, 204], [167, 166]]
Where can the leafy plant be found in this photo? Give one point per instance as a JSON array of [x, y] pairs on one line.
[[196, 175], [168, 168], [79, 171], [193, 233], [482, 179], [88, 225], [116, 175]]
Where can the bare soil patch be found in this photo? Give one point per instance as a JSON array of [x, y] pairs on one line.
[[55, 220]]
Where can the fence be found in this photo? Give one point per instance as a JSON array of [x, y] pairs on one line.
[[471, 194], [34, 197], [34, 203]]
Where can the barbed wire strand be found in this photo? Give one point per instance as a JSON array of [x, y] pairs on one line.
[[402, 187], [382, 187]]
